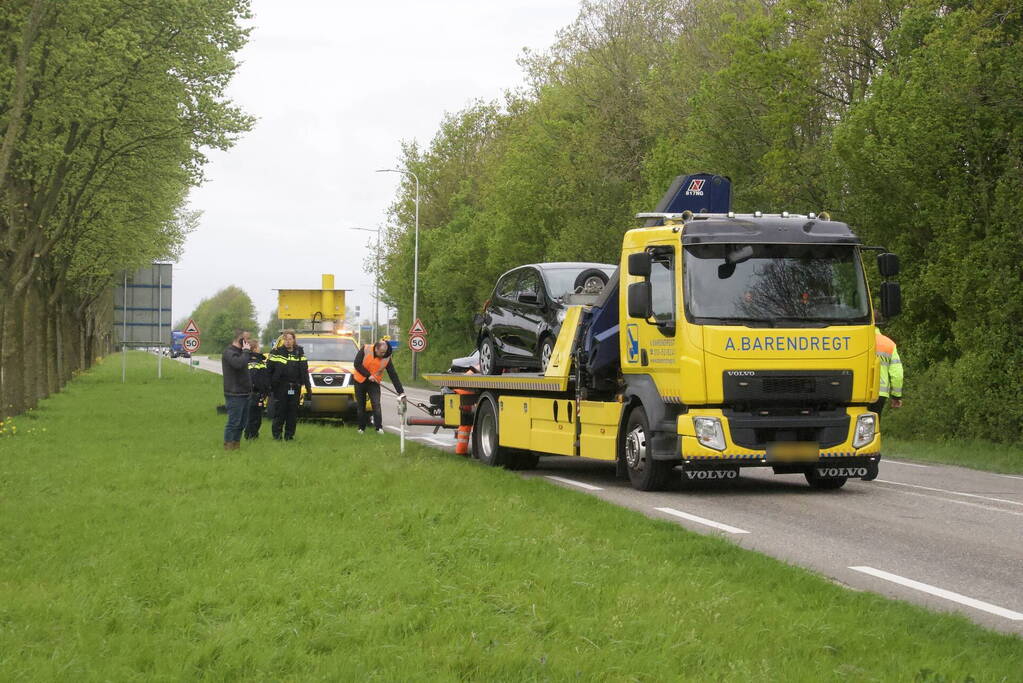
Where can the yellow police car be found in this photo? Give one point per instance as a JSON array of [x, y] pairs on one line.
[[331, 359]]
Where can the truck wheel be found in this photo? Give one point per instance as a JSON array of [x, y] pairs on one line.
[[823, 483], [546, 350], [488, 357], [645, 473], [485, 438]]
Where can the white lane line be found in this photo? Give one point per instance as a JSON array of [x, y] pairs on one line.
[[942, 593], [701, 520], [962, 502], [955, 493], [1009, 476], [907, 464], [436, 442], [588, 487]]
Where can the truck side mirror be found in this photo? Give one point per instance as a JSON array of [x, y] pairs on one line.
[[640, 297], [639, 264], [888, 264], [891, 299]]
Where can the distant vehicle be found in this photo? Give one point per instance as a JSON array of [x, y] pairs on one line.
[[176, 348], [520, 322]]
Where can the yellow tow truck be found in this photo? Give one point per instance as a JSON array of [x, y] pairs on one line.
[[724, 341]]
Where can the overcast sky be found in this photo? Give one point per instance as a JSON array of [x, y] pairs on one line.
[[336, 86]]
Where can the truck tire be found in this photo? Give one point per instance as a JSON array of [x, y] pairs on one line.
[[488, 357], [645, 473], [824, 483], [486, 443]]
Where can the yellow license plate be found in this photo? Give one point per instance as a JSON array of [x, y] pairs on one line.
[[793, 451]]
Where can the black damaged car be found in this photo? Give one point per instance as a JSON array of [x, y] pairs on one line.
[[520, 322]]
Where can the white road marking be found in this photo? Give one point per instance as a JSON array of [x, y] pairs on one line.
[[963, 502], [701, 520], [907, 464], [1009, 476], [955, 493], [588, 487], [941, 593]]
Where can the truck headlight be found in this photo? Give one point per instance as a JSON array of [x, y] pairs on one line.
[[866, 427], [709, 432]]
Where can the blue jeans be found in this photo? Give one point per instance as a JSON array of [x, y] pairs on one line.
[[237, 417]]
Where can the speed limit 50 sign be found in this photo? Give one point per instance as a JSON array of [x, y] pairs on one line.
[[417, 342], [191, 343]]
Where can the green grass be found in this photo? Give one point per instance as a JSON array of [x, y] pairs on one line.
[[981, 455], [134, 547]]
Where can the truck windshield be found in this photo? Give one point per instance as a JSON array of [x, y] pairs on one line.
[[775, 285], [327, 349]]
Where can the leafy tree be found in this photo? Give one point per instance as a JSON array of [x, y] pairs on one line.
[[105, 111], [220, 315]]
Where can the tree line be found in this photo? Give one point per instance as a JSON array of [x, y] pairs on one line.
[[900, 117], [106, 109]]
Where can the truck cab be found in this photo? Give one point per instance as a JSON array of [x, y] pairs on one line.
[[756, 334]]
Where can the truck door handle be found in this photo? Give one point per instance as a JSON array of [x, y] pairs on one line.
[[643, 360]]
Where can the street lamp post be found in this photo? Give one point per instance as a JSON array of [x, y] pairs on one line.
[[415, 266], [376, 312]]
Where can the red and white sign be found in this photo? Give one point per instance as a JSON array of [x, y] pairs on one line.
[[190, 343], [417, 329], [417, 343], [191, 328]]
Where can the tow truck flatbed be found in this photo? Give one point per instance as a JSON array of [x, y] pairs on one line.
[[510, 381]]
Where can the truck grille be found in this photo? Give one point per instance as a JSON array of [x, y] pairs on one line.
[[807, 387]]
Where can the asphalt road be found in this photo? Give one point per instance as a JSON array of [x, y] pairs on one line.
[[949, 538]]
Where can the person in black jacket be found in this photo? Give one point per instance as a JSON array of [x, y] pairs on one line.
[[289, 372], [259, 373], [370, 363], [237, 387]]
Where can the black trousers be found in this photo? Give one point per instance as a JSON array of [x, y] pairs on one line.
[[371, 389], [877, 406], [285, 414], [255, 416]]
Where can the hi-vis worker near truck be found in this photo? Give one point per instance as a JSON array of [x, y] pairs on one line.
[[723, 341]]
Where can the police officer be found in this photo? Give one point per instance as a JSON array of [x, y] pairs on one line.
[[370, 363], [289, 372], [259, 373], [891, 373]]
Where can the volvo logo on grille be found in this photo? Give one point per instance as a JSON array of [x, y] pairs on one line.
[[711, 474], [841, 471]]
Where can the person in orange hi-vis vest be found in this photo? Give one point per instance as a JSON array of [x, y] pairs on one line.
[[370, 363], [891, 373]]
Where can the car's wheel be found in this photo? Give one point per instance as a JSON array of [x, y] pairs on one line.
[[486, 443], [546, 350], [645, 473], [590, 281], [488, 357], [824, 483]]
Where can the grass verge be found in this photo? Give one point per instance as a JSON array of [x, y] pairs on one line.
[[980, 455], [135, 547]]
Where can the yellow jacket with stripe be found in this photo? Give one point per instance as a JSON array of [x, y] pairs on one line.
[[891, 366]]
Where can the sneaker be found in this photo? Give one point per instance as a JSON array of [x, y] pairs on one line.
[[380, 431], [361, 431]]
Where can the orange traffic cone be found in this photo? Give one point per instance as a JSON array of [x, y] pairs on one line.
[[462, 440]]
